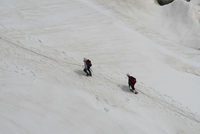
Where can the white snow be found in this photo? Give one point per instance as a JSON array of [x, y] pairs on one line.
[[43, 89]]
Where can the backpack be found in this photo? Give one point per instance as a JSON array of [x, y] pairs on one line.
[[132, 79], [88, 63]]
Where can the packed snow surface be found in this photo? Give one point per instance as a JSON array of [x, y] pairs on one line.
[[43, 89]]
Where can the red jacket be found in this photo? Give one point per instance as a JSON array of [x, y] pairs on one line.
[[131, 80]]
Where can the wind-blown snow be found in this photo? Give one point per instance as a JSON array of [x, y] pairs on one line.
[[44, 90]]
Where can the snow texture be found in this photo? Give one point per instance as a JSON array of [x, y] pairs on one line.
[[43, 89]]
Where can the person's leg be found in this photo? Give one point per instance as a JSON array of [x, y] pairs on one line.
[[89, 72], [85, 71], [130, 87], [133, 88]]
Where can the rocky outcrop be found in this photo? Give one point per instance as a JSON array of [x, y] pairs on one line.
[[164, 2]]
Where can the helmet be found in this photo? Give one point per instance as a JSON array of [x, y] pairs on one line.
[[85, 59], [127, 74]]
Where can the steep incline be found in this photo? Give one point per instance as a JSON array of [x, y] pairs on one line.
[[43, 87]]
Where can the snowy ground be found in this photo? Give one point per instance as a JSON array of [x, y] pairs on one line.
[[44, 90]]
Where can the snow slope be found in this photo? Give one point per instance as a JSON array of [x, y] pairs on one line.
[[175, 21], [44, 90]]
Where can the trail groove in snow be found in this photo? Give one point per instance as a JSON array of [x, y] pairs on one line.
[[113, 80], [168, 103], [104, 80], [49, 53]]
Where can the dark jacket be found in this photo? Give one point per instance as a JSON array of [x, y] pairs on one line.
[[131, 80]]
